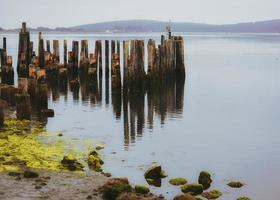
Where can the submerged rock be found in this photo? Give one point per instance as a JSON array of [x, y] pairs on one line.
[[213, 194], [142, 189], [178, 181], [243, 198], [192, 188], [30, 174], [71, 163], [184, 197], [235, 184], [155, 172], [115, 187], [205, 179]]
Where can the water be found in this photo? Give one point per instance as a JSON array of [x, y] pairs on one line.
[[223, 119]]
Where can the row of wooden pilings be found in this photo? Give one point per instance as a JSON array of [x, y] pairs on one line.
[[163, 60]]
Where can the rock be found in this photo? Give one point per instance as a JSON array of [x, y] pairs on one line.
[[235, 184], [107, 174], [213, 194], [94, 161], [30, 174], [71, 163], [142, 189], [15, 174], [184, 197], [99, 147], [133, 196], [192, 188], [60, 134], [205, 179], [178, 181], [154, 172], [115, 187], [243, 198], [47, 112], [89, 197]]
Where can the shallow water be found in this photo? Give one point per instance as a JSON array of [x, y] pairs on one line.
[[223, 119]]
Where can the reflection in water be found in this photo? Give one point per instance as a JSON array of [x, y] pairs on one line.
[[137, 108]]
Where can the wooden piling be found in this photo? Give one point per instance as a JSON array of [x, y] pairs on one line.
[[125, 57], [4, 43], [41, 51], [65, 53], [179, 60], [152, 58], [56, 57], [113, 50], [106, 59], [98, 53], [48, 46], [24, 56], [23, 106]]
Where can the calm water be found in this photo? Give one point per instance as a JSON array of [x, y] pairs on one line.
[[223, 119]]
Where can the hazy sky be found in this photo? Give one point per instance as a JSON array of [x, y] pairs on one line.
[[54, 13]]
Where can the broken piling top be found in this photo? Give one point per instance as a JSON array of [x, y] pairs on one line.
[[23, 27], [4, 43]]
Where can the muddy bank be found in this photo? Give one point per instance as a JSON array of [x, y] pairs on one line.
[[52, 185]]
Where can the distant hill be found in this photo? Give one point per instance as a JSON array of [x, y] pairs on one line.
[[272, 26]]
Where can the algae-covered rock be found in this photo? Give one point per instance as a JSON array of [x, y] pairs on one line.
[[235, 184], [115, 187], [142, 189], [71, 163], [243, 198], [178, 181], [94, 161], [205, 179], [213, 194], [192, 188], [184, 197]]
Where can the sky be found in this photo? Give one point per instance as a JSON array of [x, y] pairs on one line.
[[66, 13]]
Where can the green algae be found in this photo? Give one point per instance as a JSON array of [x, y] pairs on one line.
[[178, 181], [26, 144], [141, 189], [243, 198]]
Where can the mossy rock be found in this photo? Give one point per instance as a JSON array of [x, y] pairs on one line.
[[142, 189], [192, 188], [115, 187], [213, 194], [184, 197], [235, 184], [243, 198], [154, 182], [71, 163], [94, 161], [205, 179], [178, 181]]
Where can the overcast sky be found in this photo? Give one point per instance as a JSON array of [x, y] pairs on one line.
[[65, 13]]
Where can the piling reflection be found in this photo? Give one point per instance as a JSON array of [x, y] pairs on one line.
[[137, 109]]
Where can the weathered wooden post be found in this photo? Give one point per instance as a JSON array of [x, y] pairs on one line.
[[152, 58], [118, 48], [56, 57], [113, 50], [75, 51], [98, 54], [106, 59], [48, 46], [179, 49], [125, 58], [7, 76], [92, 71], [41, 51], [5, 43], [22, 98], [115, 72], [24, 56], [84, 61], [65, 53]]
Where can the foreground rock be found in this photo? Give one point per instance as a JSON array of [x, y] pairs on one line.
[[184, 197], [30, 174], [192, 188], [115, 187], [71, 163], [153, 172], [213, 194], [205, 179], [141, 189]]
